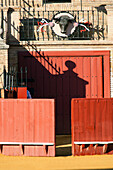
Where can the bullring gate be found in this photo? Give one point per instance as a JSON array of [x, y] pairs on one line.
[[64, 75], [71, 95]]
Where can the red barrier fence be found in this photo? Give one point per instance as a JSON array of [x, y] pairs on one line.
[[27, 127], [92, 126]]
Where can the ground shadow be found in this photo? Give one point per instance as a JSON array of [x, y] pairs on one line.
[[63, 145], [64, 151]]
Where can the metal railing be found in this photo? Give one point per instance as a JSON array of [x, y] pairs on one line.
[[26, 25], [30, 26], [12, 78]]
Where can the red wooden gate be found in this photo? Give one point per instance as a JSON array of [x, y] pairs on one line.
[[92, 126], [27, 127], [64, 75]]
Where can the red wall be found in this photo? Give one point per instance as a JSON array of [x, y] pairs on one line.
[[27, 121], [92, 121]]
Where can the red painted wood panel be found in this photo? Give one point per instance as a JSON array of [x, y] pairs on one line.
[[106, 68], [21, 92], [100, 78], [92, 125], [93, 77], [87, 75], [27, 121]]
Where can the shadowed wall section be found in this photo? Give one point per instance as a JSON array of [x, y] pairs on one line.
[[63, 76]]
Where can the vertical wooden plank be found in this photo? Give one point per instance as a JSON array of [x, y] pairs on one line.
[[80, 79], [52, 78], [11, 121], [108, 118], [51, 136], [66, 99], [36, 129], [92, 106], [59, 98], [39, 78], [31, 126], [18, 126], [6, 128], [81, 120], [86, 120], [107, 76], [36, 125], [47, 77], [46, 121], [86, 124], [5, 120], [38, 150], [26, 126], [109, 106], [92, 134], [76, 119], [93, 77], [99, 77], [87, 75], [73, 78], [98, 120], [99, 148], [73, 124], [103, 109], [79, 66]]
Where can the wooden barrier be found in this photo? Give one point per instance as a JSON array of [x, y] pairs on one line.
[[27, 127], [92, 126]]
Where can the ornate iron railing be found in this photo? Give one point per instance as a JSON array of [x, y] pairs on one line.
[[91, 25], [26, 25]]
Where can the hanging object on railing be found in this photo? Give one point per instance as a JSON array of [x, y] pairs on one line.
[[63, 24]]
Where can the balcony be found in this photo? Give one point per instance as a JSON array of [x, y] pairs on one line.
[[30, 25]]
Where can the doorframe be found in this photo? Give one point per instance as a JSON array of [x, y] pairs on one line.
[[104, 53]]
